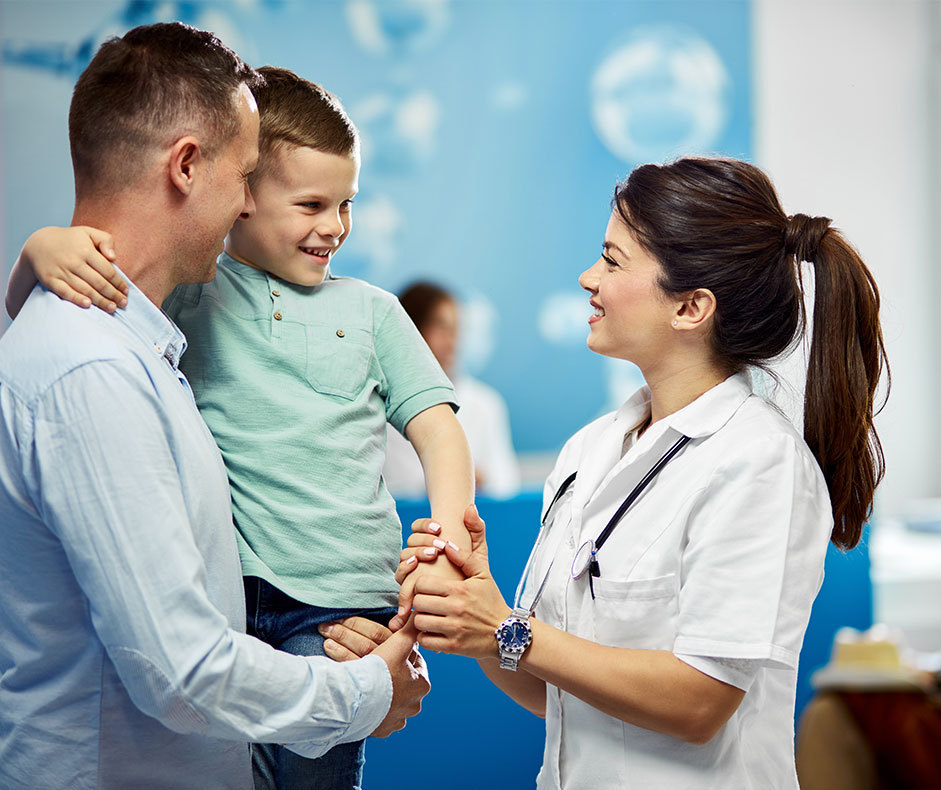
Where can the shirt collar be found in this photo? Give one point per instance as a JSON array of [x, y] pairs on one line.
[[239, 268], [151, 325], [703, 417]]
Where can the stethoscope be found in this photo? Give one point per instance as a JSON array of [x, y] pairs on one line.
[[586, 557]]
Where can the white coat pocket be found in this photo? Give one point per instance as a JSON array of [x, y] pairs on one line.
[[638, 613]]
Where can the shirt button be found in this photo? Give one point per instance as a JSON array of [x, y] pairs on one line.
[[277, 316], [276, 293], [340, 333]]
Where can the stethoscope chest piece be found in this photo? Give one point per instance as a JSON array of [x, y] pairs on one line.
[[583, 559]]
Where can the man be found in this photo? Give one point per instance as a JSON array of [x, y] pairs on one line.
[[122, 658]]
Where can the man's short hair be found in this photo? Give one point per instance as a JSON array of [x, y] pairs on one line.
[[293, 111], [144, 91]]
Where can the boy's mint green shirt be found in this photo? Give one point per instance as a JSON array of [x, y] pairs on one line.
[[296, 384]]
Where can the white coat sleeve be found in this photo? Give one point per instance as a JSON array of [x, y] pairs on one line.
[[753, 562]]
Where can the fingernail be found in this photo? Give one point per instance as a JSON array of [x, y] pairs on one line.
[[429, 552], [434, 527], [122, 302], [401, 611], [325, 629], [411, 560], [454, 546], [438, 543]]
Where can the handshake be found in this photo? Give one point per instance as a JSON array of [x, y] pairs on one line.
[[452, 606]]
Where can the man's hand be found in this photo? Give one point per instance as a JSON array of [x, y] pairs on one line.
[[409, 678], [352, 637]]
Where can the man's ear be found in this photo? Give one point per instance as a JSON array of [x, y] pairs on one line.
[[695, 309], [185, 155]]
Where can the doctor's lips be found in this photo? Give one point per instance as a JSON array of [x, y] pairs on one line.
[[598, 311]]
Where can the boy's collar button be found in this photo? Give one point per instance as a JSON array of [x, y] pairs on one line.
[[276, 293]]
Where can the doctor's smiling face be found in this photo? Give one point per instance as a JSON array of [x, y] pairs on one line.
[[632, 313]]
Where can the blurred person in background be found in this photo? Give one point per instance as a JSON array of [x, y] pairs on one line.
[[483, 411]]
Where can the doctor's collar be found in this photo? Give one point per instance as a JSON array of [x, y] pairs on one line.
[[703, 417], [713, 409]]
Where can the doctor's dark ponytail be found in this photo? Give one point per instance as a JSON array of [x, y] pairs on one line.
[[718, 224]]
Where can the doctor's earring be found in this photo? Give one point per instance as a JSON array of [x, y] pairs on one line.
[[674, 322]]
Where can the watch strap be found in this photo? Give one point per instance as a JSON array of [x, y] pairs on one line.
[[510, 660]]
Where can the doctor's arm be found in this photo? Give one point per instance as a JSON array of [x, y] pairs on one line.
[[649, 688], [74, 263]]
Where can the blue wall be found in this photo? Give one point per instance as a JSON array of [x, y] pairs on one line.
[[494, 132]]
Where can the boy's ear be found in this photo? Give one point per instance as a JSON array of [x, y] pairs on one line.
[[185, 155], [695, 310]]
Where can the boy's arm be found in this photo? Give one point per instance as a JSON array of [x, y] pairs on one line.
[[439, 440], [74, 263]]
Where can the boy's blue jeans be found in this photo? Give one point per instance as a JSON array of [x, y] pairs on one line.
[[291, 626]]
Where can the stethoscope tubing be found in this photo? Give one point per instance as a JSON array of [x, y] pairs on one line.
[[593, 545]]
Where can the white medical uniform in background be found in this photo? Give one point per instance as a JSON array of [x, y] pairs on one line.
[[718, 561], [486, 421]]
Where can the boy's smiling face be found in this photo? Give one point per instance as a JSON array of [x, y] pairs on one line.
[[303, 214]]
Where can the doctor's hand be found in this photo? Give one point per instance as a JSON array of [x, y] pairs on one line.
[[424, 545], [460, 617]]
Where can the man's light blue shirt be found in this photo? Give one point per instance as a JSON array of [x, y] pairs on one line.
[[122, 658]]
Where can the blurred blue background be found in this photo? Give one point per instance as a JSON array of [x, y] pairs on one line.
[[493, 135]]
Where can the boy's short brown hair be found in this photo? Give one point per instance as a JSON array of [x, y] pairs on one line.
[[294, 111]]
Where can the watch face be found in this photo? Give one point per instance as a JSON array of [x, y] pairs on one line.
[[515, 636]]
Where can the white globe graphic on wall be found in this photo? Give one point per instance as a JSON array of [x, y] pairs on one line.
[[662, 93], [399, 129], [396, 26]]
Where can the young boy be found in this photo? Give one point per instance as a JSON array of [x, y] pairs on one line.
[[296, 372]]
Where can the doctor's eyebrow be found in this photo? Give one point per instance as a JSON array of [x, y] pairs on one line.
[[610, 245]]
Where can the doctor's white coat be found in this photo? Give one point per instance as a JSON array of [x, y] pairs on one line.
[[720, 557]]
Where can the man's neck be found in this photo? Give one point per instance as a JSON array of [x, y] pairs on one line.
[[140, 248]]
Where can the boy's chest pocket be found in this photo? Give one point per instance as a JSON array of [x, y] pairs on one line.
[[640, 613], [338, 359]]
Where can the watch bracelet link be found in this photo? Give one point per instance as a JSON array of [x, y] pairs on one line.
[[511, 660]]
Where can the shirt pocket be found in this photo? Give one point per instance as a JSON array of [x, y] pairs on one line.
[[639, 613], [338, 360]]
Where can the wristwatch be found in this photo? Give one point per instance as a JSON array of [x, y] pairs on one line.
[[513, 635]]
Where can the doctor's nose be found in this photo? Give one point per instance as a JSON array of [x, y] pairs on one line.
[[588, 279]]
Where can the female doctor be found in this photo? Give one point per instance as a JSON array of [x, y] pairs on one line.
[[663, 610]]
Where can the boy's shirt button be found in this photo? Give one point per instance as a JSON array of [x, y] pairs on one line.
[[277, 316], [276, 293], [340, 333]]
